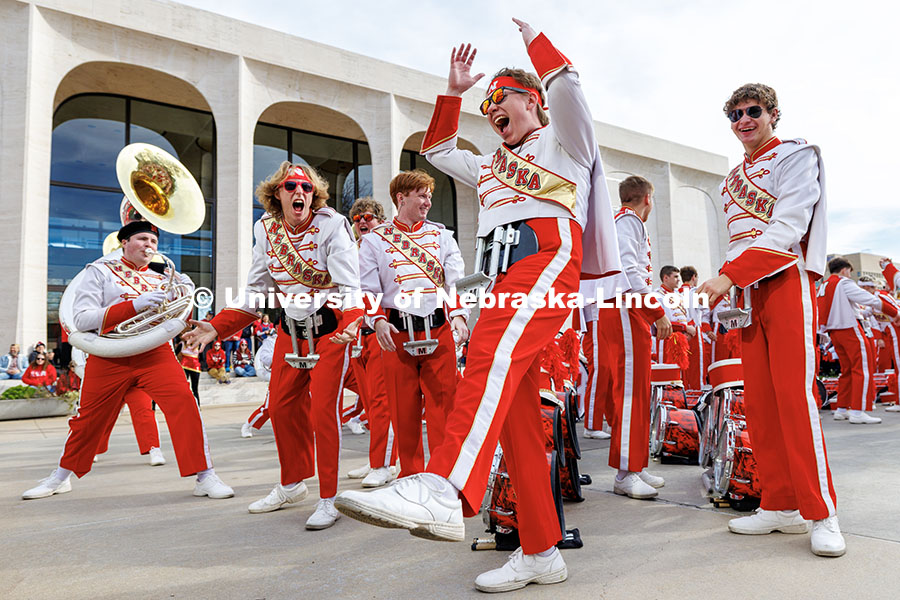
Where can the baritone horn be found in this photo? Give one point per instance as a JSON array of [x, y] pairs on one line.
[[162, 191]]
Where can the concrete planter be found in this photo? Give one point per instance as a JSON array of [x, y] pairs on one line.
[[32, 408]]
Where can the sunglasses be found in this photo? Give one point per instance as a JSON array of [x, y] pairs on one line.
[[291, 185], [754, 112], [39, 359], [364, 217], [498, 96]]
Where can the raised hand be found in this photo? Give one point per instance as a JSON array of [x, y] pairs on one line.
[[202, 334], [461, 79], [528, 34]]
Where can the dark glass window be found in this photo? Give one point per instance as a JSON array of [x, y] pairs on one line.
[[88, 132]]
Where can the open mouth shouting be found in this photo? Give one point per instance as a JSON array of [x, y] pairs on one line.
[[501, 123]]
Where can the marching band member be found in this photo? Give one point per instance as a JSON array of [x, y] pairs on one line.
[[838, 300], [668, 351], [546, 180], [775, 204], [143, 421], [597, 382], [306, 249], [113, 291], [700, 352], [625, 334], [262, 362], [406, 256], [369, 368]]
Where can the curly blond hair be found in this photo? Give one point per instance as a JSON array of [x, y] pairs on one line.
[[755, 91], [367, 205], [267, 191]]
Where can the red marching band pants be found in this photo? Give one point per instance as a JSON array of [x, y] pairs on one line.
[[259, 416], [695, 375], [408, 379], [143, 420], [305, 408], [625, 335], [498, 398], [369, 372], [856, 353], [106, 383], [779, 361], [596, 389], [886, 354]]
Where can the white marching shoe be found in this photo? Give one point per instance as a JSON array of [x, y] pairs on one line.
[[863, 418], [424, 503], [356, 427], [596, 434], [156, 457], [633, 486], [840, 415], [767, 521], [522, 569], [377, 477], [654, 481], [826, 538], [278, 497], [213, 487], [892, 408], [360, 472], [48, 486], [324, 516], [246, 431]]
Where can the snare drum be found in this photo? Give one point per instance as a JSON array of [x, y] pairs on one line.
[[724, 374], [678, 432], [744, 478]]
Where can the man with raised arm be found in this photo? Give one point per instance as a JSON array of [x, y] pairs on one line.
[[546, 183]]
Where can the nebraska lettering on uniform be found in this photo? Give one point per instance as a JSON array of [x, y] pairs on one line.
[[746, 194], [414, 253], [292, 263]]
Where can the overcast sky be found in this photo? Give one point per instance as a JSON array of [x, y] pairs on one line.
[[666, 67]]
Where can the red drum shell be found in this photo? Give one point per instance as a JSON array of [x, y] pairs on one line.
[[726, 373], [663, 374], [682, 438], [744, 477]]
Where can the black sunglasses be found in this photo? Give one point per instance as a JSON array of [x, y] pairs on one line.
[[754, 112], [290, 186]]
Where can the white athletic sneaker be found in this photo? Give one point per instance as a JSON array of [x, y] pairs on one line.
[[892, 408], [654, 481], [767, 521], [418, 503], [356, 427], [377, 477], [840, 415], [213, 487], [278, 497], [48, 487], [246, 431], [325, 516], [826, 538], [522, 569], [156, 457], [862, 418], [634, 487], [360, 472], [596, 434]]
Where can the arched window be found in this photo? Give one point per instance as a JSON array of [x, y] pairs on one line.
[[89, 130]]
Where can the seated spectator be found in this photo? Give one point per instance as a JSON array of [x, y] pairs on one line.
[[68, 381], [263, 329], [243, 361], [39, 348], [12, 365], [40, 374], [215, 360], [230, 346]]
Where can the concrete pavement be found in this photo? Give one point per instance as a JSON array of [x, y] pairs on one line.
[[128, 530]]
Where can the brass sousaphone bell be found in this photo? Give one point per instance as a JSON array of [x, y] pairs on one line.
[[163, 192]]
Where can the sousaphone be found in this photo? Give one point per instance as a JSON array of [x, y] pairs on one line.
[[162, 191]]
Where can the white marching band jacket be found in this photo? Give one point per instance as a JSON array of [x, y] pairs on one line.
[[775, 205], [108, 286], [396, 259], [840, 299], [555, 172]]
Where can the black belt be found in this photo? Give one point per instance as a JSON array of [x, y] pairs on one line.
[[528, 245], [437, 318], [366, 331], [328, 325]]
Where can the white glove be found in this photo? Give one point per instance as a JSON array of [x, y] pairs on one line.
[[149, 299]]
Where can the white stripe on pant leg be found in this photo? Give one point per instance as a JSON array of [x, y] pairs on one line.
[[499, 369], [865, 367], [389, 448], [812, 405], [627, 389], [259, 412], [592, 393], [338, 401], [896, 348]]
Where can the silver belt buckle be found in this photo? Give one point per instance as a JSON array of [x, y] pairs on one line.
[[356, 350], [309, 360], [736, 318], [416, 347]]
